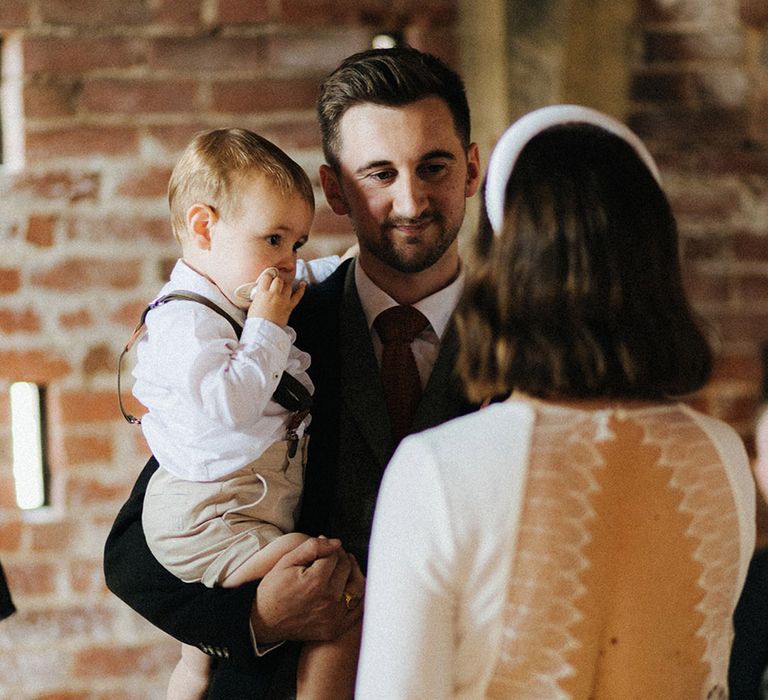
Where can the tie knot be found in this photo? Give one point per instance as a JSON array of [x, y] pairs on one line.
[[400, 324]]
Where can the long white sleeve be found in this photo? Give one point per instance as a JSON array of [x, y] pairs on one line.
[[194, 353], [209, 394], [442, 547], [410, 600], [316, 270]]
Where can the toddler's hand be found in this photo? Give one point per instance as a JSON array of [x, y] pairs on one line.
[[274, 300]]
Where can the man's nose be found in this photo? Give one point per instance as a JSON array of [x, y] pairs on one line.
[[410, 198]]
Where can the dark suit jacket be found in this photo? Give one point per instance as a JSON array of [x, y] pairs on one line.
[[749, 652], [350, 445]]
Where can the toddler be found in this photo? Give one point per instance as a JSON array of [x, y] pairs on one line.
[[222, 504]]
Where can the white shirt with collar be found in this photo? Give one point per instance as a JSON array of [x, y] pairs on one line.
[[438, 308], [208, 394]]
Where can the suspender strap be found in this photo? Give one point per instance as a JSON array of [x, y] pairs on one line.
[[290, 393], [200, 299]]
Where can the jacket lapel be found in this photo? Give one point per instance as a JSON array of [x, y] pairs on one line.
[[361, 389], [442, 398]]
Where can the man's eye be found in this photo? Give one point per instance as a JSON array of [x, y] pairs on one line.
[[274, 239], [382, 175], [432, 169]]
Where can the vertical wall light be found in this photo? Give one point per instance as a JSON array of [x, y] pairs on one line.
[[2, 108], [28, 432], [12, 81]]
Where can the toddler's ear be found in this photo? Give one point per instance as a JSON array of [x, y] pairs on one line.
[[200, 218]]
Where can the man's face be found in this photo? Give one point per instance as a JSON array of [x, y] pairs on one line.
[[404, 177]]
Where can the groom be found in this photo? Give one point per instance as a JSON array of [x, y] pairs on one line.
[[400, 165]]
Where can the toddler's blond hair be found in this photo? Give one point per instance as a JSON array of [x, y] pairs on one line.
[[211, 166]]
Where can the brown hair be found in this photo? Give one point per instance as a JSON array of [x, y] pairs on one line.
[[391, 77], [209, 169], [580, 295]]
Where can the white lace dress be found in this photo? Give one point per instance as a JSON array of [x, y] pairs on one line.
[[539, 551]]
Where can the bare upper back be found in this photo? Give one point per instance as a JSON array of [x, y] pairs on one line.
[[627, 560]]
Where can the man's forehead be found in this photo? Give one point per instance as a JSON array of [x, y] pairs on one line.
[[372, 133]]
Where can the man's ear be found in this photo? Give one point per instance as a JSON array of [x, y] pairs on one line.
[[200, 219], [473, 170], [334, 194]]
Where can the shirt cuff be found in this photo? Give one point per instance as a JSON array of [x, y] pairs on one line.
[[263, 649]]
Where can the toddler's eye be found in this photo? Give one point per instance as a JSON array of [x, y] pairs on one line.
[[274, 239]]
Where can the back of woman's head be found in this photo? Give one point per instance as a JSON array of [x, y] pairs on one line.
[[578, 293]]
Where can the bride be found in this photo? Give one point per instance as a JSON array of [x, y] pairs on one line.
[[589, 536]]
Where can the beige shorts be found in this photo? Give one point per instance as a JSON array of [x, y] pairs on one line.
[[205, 530]]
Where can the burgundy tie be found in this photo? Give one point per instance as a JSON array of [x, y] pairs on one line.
[[397, 327]]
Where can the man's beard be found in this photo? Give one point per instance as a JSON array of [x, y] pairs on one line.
[[383, 248]]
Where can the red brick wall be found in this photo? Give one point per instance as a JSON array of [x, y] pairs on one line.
[[112, 89], [697, 95]]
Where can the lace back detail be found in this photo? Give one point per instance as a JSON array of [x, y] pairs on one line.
[[559, 636], [707, 499]]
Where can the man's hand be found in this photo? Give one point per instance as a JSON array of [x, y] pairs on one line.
[[274, 299], [302, 597]]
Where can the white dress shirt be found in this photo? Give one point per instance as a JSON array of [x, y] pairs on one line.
[[437, 307], [208, 394]]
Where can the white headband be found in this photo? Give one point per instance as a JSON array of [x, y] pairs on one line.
[[514, 139]]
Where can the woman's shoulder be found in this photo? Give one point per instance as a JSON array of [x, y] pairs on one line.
[[467, 431], [481, 447], [718, 430]]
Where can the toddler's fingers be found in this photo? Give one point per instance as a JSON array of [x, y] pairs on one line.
[[277, 285], [267, 277], [298, 293]]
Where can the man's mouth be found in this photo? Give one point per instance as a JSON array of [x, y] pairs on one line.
[[413, 226]]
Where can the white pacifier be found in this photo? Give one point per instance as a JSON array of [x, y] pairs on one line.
[[245, 291]]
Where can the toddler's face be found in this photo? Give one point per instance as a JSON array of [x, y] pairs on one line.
[[265, 229]]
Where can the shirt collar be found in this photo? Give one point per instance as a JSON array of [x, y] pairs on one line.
[[184, 277], [437, 307]]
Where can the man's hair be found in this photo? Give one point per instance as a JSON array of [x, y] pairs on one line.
[[580, 294], [212, 165], [389, 77]]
